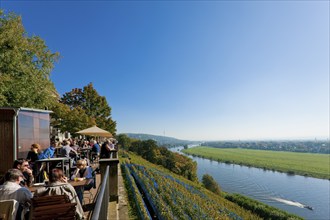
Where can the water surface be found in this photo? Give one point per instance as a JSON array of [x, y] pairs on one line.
[[291, 193]]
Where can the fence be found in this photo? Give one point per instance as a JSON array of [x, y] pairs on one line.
[[102, 201]]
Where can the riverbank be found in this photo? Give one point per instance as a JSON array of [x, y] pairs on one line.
[[305, 164], [189, 198]]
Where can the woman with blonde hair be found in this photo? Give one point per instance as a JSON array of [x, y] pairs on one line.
[[81, 173]]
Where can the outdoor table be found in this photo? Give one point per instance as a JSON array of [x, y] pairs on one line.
[[54, 160], [80, 183], [36, 186]]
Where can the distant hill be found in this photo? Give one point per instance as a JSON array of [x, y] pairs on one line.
[[161, 140]]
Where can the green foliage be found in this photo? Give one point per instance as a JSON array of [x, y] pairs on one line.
[[123, 141], [178, 198], [71, 120], [210, 184], [136, 204], [175, 162], [307, 164], [88, 107], [25, 67], [161, 140], [263, 210], [315, 146]]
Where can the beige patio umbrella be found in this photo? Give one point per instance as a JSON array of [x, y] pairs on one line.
[[95, 131]]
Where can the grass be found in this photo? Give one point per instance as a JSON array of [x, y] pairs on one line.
[[305, 164], [245, 213]]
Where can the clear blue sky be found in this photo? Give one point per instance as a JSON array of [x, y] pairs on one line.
[[214, 70]]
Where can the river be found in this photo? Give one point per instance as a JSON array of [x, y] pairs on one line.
[[291, 193]]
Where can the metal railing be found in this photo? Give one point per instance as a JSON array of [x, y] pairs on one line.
[[101, 206]]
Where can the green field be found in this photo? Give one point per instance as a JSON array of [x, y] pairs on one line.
[[188, 195], [307, 164]]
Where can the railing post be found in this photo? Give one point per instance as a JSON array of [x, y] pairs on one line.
[[113, 176]]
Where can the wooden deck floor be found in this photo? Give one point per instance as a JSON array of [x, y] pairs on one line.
[[89, 202]]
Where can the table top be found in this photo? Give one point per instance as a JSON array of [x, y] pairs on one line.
[[53, 159], [84, 182], [79, 183]]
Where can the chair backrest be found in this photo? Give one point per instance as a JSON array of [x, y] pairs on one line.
[[52, 207], [58, 212], [8, 209], [50, 200]]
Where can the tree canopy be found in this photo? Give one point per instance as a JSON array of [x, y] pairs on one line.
[[87, 101], [25, 67], [177, 163]]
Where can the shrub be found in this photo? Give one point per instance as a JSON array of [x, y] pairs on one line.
[[210, 184]]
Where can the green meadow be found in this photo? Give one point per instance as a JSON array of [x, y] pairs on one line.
[[306, 164], [192, 195]]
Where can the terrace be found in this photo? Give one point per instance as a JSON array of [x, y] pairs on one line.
[[109, 199]]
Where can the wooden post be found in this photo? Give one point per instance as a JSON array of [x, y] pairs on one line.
[[113, 176]]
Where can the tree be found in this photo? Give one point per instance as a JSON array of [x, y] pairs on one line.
[[25, 67], [123, 141], [70, 120], [210, 184], [95, 106]]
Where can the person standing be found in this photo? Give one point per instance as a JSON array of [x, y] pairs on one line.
[[68, 151], [33, 154], [105, 149]]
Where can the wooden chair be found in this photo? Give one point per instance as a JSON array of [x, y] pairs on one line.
[[55, 207], [8, 209], [50, 200]]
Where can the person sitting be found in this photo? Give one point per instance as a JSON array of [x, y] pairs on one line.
[[11, 189], [58, 185], [49, 152], [68, 151], [85, 144], [95, 152], [24, 167], [83, 172], [74, 145]]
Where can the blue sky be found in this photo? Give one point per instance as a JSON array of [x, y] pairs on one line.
[[197, 70]]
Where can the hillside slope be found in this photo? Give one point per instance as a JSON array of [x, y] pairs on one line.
[[157, 192], [161, 140]]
